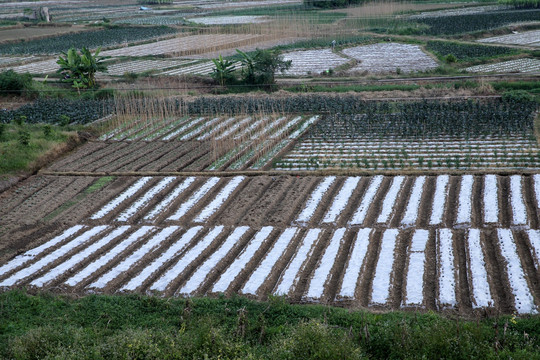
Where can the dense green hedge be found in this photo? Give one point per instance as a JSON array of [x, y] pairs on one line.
[[88, 39], [141, 327]]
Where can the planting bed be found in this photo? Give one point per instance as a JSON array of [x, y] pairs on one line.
[[312, 61], [519, 65], [202, 68], [528, 38], [389, 57], [39, 67], [189, 143], [185, 45], [430, 242], [140, 66], [229, 20]]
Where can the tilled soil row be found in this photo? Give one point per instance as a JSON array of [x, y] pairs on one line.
[[140, 259]]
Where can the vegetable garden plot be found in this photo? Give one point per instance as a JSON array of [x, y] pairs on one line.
[[185, 45], [140, 66], [219, 5], [519, 65], [528, 38], [237, 142], [388, 57], [312, 61], [454, 12], [39, 67], [203, 68], [139, 244], [440, 136], [5, 61], [226, 20]]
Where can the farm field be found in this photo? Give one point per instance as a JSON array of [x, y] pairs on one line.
[[520, 65], [434, 242], [313, 61], [389, 57], [527, 38]]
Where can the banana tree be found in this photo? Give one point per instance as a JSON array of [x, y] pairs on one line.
[[81, 69], [223, 71]]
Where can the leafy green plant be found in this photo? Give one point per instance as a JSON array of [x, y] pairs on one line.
[[13, 83], [47, 130], [450, 58], [223, 71], [260, 68], [80, 69], [24, 137], [20, 120]]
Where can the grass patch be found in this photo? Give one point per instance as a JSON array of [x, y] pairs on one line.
[[533, 86], [97, 327], [346, 88], [22, 145]]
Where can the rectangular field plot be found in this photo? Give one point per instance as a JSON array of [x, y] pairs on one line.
[[380, 268], [185, 45], [450, 137], [190, 143], [519, 65], [527, 38], [140, 66]]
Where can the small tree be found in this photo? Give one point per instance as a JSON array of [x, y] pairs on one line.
[[223, 72], [261, 67], [80, 69]]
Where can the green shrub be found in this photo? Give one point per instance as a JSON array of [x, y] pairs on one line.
[[13, 83], [517, 96], [2, 130], [24, 137], [47, 130], [450, 58]]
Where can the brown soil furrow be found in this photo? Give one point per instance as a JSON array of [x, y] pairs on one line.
[[237, 283], [376, 205], [77, 156], [530, 202], [200, 164], [306, 274], [527, 262], [21, 192], [256, 214], [505, 215], [112, 158], [399, 269], [57, 283], [159, 159], [185, 273], [372, 258], [179, 150], [292, 201], [497, 276], [224, 263], [401, 202], [426, 203], [354, 202], [105, 267], [109, 218], [57, 261], [147, 157], [25, 212], [188, 158], [326, 202], [333, 282], [280, 265], [203, 202], [26, 237], [239, 205], [125, 162], [463, 295], [156, 199], [86, 162], [430, 272], [449, 218], [477, 219], [72, 190]]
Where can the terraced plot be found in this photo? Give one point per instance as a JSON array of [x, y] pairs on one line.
[[226, 20], [528, 38], [140, 66], [38, 67], [189, 144], [312, 61], [519, 65], [389, 57], [185, 45], [431, 242]]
